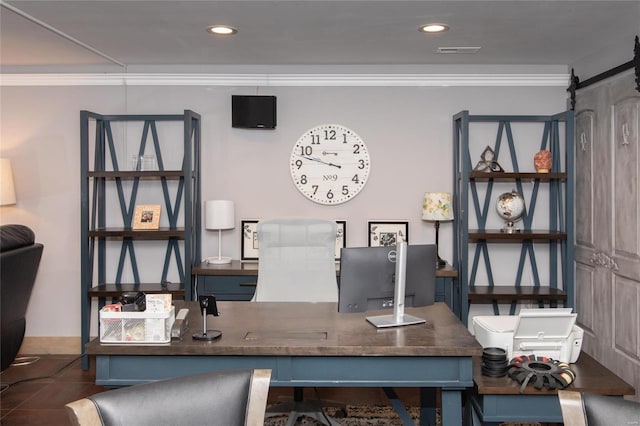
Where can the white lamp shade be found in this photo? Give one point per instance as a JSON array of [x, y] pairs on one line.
[[437, 206], [7, 190], [219, 214]]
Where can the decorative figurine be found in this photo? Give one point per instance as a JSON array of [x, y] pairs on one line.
[[488, 162], [542, 161]]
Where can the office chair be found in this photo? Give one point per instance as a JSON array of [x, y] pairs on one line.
[[297, 264], [589, 409], [227, 398], [19, 261]]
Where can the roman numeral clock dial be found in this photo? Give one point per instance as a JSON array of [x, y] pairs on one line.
[[330, 164]]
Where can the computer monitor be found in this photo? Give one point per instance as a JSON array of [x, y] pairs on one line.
[[367, 277]]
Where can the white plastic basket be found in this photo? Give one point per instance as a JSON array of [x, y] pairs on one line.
[[136, 327]]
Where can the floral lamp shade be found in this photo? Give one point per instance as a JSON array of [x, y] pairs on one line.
[[437, 206]]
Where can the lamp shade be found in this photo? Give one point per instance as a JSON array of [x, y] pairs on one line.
[[219, 214], [7, 190], [437, 206]]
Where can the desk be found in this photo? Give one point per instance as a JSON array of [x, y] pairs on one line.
[[237, 281], [309, 344], [497, 399]]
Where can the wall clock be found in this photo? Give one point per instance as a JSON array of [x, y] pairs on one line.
[[330, 164]]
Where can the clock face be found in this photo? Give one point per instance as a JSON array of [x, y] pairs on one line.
[[330, 164]]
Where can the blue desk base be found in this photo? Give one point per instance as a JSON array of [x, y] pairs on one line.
[[451, 374], [496, 409]]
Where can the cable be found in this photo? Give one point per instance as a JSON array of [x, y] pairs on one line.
[[5, 386], [24, 360], [60, 33]]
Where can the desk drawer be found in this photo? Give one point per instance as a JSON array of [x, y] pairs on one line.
[[228, 287]]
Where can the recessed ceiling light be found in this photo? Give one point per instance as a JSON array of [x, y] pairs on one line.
[[434, 28], [221, 30]]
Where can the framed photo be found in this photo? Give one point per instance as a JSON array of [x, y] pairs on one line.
[[341, 237], [384, 234], [146, 216], [249, 240]]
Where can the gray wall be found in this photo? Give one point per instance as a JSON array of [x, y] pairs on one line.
[[407, 130]]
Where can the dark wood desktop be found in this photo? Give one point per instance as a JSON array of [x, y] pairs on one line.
[[309, 344], [250, 269], [498, 399]]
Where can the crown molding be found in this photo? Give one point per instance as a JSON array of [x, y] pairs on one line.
[[372, 80]]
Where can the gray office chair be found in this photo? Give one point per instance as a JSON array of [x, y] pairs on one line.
[[228, 398], [589, 409], [297, 264]]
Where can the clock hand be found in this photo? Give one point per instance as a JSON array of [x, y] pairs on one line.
[[320, 161]]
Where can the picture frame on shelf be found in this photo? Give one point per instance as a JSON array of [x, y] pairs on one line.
[[249, 239], [341, 237], [387, 233], [146, 216]]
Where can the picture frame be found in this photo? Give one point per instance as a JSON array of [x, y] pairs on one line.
[[387, 233], [341, 237], [249, 239], [146, 216]]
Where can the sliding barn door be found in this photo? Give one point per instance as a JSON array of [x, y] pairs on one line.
[[607, 255]]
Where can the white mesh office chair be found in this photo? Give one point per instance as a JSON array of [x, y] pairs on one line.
[[296, 264], [297, 261]]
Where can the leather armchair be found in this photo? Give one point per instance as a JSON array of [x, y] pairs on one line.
[[229, 398], [589, 409], [19, 260]]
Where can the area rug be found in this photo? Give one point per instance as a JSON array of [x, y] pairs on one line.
[[353, 415], [366, 415]]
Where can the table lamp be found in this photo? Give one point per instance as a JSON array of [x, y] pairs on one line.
[[219, 215], [7, 189], [437, 208]]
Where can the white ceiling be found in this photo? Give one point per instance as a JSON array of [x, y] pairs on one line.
[[310, 33]]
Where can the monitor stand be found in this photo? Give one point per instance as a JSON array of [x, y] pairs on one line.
[[398, 318]]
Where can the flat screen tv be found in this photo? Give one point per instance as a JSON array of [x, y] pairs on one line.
[[367, 277]]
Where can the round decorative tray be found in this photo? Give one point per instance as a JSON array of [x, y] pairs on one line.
[[543, 372]]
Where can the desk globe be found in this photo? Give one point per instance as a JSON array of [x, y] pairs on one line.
[[510, 207]]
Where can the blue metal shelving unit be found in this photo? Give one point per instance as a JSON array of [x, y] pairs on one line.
[[473, 191], [102, 169]]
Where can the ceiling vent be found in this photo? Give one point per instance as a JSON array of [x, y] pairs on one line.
[[450, 50]]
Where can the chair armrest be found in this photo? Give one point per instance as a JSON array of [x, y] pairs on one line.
[[572, 408], [83, 412], [257, 402]]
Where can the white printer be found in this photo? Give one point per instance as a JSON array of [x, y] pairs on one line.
[[549, 332]]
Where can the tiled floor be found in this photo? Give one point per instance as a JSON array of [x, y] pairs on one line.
[[37, 392]]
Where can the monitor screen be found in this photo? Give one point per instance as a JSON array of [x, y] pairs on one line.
[[367, 277]]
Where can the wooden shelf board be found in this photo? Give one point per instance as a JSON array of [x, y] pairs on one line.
[[114, 290], [146, 175], [139, 234], [510, 176], [495, 235], [487, 294]]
